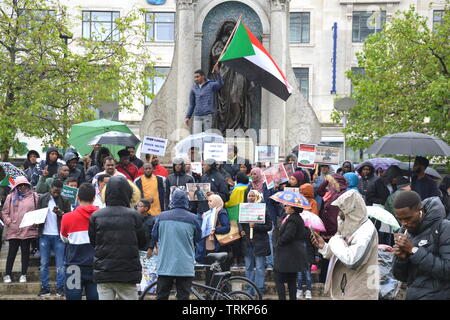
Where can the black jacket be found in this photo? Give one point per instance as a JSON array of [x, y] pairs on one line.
[[176, 179], [61, 202], [138, 183], [218, 186], [365, 182], [427, 272], [92, 172], [378, 192], [260, 242], [445, 197], [148, 223], [289, 248], [117, 234]]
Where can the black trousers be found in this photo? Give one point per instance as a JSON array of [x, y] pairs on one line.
[[291, 279], [165, 283], [14, 245]]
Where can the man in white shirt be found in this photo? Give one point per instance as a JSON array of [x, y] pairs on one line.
[[102, 180]]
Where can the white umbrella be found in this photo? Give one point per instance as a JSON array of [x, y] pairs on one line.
[[197, 141], [383, 216]]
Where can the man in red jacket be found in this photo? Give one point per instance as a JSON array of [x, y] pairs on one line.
[[79, 255], [158, 170], [125, 166]]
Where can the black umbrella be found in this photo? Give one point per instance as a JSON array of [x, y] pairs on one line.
[[407, 167], [410, 143], [115, 138]]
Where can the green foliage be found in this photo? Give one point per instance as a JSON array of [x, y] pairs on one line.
[[46, 85], [406, 85]]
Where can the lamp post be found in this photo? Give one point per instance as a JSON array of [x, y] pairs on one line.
[[344, 105], [66, 38]]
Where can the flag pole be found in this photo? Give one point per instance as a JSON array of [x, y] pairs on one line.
[[228, 42]]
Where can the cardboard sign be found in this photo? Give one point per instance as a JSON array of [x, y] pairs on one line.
[[252, 213], [70, 193], [154, 146], [34, 217], [306, 155], [197, 191], [196, 167], [216, 151], [266, 154], [275, 175], [327, 155]]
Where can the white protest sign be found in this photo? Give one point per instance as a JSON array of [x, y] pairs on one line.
[[327, 155], [34, 217], [306, 155], [196, 167], [216, 151], [154, 146], [252, 213]]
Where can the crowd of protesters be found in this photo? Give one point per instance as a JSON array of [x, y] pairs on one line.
[[130, 211]]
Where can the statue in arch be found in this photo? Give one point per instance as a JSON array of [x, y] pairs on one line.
[[235, 100]]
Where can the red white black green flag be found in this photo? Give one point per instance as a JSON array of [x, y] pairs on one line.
[[247, 56]]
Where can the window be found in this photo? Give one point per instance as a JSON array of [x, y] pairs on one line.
[[160, 75], [37, 16], [299, 27], [109, 110], [437, 18], [100, 25], [359, 72], [302, 76], [366, 23], [160, 26]]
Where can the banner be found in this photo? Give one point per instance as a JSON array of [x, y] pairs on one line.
[[266, 154], [275, 175], [252, 213], [306, 155], [216, 151], [327, 155], [154, 146], [70, 193]]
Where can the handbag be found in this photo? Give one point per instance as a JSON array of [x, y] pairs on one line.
[[231, 236]]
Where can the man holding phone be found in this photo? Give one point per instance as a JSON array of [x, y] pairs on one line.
[[49, 237]]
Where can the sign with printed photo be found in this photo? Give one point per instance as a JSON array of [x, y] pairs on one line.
[[306, 155], [197, 191], [327, 155], [275, 175]]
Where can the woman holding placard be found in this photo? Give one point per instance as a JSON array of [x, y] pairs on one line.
[[21, 200], [255, 245]]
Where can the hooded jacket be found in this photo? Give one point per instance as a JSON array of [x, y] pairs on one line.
[[364, 182], [352, 180], [307, 190], [75, 232], [445, 196], [177, 232], [176, 179], [117, 234], [14, 211], [378, 192], [353, 252], [75, 172], [329, 213], [52, 167], [352, 169], [427, 272]]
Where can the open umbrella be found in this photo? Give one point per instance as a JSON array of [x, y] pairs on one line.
[[382, 163], [407, 168], [197, 141], [115, 138], [291, 198], [11, 170], [82, 133], [410, 143], [383, 216], [312, 221]]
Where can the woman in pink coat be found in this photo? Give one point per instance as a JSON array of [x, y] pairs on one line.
[[21, 200]]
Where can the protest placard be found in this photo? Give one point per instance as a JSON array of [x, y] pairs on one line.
[[306, 155], [266, 153], [289, 167], [297, 190], [196, 167], [252, 213], [154, 146], [34, 217], [327, 155], [70, 193], [197, 191], [208, 222], [275, 175], [216, 151]]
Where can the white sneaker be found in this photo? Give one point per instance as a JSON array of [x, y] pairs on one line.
[[23, 279], [308, 294], [7, 279], [299, 294]]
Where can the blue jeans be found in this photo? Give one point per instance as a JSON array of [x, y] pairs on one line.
[[269, 259], [252, 261], [78, 278], [308, 278], [46, 244]]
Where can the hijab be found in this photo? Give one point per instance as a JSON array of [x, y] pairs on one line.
[[217, 202], [258, 196], [258, 185]]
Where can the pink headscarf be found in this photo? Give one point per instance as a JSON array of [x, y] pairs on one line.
[[258, 185]]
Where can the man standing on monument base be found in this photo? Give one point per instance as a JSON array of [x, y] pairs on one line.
[[201, 101]]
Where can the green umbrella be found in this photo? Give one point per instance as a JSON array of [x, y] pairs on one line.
[[81, 133]]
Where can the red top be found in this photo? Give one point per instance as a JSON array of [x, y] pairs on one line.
[[159, 170], [130, 171]]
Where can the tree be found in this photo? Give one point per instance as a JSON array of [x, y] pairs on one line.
[[48, 83], [405, 85]]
